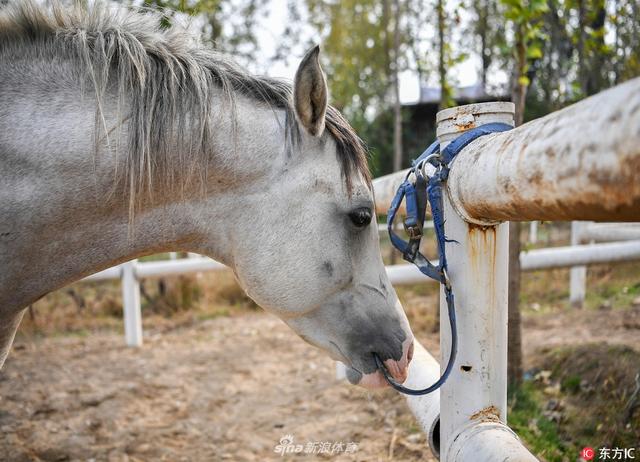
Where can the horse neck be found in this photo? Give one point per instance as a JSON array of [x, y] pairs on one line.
[[64, 218]]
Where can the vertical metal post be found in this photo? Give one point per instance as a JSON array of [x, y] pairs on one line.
[[474, 399], [578, 274], [131, 305], [533, 232]]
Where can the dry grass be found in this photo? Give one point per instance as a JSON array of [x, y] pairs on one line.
[[166, 303]]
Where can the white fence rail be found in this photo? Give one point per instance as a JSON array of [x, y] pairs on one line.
[[580, 163], [539, 259], [589, 232]]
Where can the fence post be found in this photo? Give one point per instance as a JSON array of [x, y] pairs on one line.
[[578, 274], [131, 305], [533, 232], [474, 400]]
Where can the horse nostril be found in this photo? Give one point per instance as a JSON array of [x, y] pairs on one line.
[[410, 353]]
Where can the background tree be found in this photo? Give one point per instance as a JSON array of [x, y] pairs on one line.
[[488, 36], [229, 25], [364, 52], [524, 16], [444, 52], [395, 74]]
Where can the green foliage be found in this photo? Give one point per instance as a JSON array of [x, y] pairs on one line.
[[228, 24], [524, 16], [556, 51], [571, 384], [356, 37]]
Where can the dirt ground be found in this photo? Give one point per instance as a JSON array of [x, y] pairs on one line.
[[223, 389]]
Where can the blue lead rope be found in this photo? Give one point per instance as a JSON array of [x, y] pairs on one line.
[[416, 194]]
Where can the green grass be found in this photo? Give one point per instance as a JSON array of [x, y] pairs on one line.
[[617, 286], [589, 406], [540, 434], [608, 286]]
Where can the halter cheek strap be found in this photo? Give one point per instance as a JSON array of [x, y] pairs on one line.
[[416, 194]]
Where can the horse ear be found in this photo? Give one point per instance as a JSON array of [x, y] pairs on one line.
[[310, 93]]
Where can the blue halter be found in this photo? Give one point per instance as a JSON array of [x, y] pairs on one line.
[[416, 194]]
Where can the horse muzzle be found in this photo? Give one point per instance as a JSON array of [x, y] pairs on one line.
[[398, 369]]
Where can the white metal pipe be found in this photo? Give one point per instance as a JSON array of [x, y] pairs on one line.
[[610, 232], [541, 259], [533, 232], [406, 274], [131, 305], [382, 227], [385, 188], [114, 272], [423, 371], [478, 442], [579, 163], [173, 267], [476, 391], [562, 257], [161, 268]]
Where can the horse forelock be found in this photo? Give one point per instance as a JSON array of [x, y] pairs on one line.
[[168, 80]]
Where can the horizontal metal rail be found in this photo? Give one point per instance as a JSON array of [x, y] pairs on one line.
[[541, 259], [579, 163], [565, 257], [609, 232], [171, 267], [532, 260]]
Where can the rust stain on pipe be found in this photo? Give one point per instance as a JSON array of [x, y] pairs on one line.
[[465, 127], [482, 236], [481, 239], [488, 414]]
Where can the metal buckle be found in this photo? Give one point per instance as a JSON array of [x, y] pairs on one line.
[[422, 165], [413, 231], [446, 281]]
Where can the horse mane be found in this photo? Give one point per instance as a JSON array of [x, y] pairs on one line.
[[167, 79]]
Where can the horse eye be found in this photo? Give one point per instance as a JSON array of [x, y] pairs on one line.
[[360, 217]]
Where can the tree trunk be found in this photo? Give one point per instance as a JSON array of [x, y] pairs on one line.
[[596, 76], [482, 29], [616, 44], [442, 69], [397, 113], [519, 95], [582, 60], [386, 12], [514, 337]]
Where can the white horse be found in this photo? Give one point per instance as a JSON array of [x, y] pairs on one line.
[[119, 139]]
